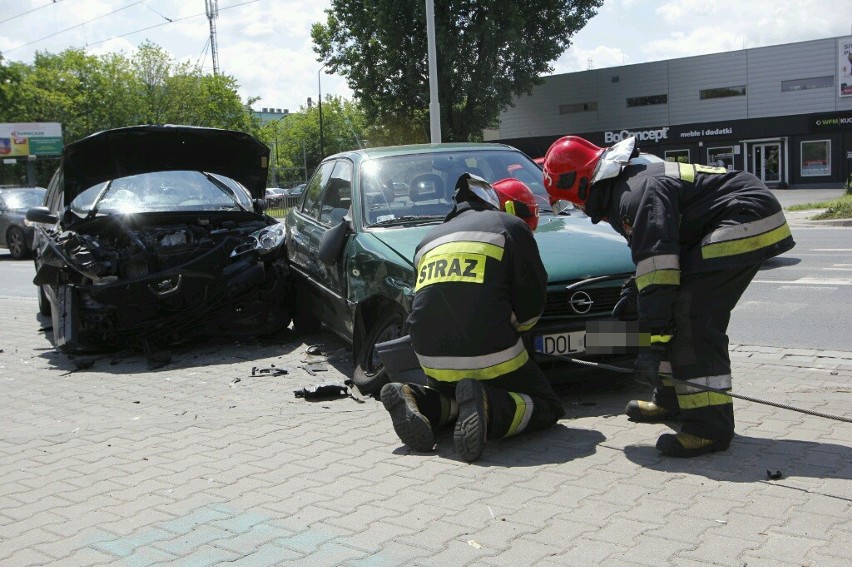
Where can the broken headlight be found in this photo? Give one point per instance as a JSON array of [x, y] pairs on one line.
[[263, 241]]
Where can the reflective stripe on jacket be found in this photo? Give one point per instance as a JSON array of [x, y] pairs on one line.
[[684, 218], [479, 283]]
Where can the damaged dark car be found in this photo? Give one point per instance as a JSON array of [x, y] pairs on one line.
[[152, 235]]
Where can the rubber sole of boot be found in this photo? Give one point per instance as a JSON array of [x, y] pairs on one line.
[[471, 428], [671, 446], [410, 425], [634, 413]]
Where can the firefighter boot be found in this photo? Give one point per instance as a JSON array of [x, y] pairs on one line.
[[471, 427], [412, 427], [685, 445], [662, 407]]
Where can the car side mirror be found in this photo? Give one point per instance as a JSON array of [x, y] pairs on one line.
[[259, 205], [41, 215], [332, 242]]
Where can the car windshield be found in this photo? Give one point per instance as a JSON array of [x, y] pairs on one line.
[[419, 187], [163, 191], [24, 199]]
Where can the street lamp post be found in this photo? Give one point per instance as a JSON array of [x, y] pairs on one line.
[[319, 104], [434, 103]]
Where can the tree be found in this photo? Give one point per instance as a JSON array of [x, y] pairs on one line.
[[488, 52], [178, 93], [87, 93], [294, 139]]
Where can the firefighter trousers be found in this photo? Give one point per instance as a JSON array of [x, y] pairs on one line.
[[519, 401], [699, 352]]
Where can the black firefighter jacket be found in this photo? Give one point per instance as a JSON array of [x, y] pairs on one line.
[[681, 219], [480, 282]]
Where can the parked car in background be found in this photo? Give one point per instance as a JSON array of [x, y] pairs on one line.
[[274, 192], [351, 241], [16, 233], [296, 191], [155, 234]]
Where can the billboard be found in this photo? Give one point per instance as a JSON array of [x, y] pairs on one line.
[[25, 139], [844, 68]]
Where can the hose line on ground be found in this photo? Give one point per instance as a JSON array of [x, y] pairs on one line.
[[623, 370]]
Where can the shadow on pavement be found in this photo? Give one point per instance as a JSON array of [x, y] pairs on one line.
[[779, 262], [558, 444], [191, 354], [755, 459]]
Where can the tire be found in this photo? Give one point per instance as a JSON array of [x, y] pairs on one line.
[[369, 374], [304, 321], [17, 243], [43, 302]]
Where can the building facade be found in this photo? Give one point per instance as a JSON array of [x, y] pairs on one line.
[[267, 115], [782, 112]]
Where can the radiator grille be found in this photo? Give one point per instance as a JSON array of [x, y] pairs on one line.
[[559, 302]]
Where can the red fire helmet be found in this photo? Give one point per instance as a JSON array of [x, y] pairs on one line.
[[569, 165], [517, 199]]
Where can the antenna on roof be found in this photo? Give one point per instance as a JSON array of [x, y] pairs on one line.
[[213, 13]]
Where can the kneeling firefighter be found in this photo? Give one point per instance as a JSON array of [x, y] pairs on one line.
[[480, 284], [698, 235]]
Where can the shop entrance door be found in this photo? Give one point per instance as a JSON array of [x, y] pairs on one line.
[[767, 161]]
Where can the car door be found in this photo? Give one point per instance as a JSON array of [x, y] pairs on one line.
[[4, 220], [328, 198]]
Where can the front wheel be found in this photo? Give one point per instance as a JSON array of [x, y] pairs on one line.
[[304, 320], [17, 243], [370, 375]]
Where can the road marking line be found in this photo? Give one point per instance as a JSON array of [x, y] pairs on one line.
[[806, 281]]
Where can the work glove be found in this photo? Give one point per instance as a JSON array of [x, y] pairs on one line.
[[646, 369], [626, 308]]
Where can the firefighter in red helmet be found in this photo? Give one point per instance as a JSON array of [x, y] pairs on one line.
[[480, 285], [698, 235], [518, 199]]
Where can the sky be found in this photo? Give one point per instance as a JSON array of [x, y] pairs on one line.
[[266, 45]]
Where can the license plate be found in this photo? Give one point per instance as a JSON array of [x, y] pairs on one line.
[[561, 343]]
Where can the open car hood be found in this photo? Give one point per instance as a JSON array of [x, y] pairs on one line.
[[142, 149]]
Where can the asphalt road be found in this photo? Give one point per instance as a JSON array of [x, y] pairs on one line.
[[16, 277], [801, 299]]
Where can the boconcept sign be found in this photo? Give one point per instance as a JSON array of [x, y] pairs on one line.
[[642, 135]]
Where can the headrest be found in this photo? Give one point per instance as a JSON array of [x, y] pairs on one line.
[[425, 187]]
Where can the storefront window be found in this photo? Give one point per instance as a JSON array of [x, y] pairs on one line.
[[721, 157], [681, 156], [816, 158]]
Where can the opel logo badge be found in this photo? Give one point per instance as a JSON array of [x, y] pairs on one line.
[[581, 302]]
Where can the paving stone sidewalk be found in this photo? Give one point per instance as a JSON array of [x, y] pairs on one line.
[[107, 462]]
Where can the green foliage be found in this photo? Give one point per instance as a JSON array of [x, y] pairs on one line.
[[88, 93], [295, 139], [488, 52], [840, 208]]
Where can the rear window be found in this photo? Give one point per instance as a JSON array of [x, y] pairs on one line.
[[23, 199]]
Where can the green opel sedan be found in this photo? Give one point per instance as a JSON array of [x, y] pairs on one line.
[[350, 241]]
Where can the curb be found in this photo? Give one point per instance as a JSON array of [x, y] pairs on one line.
[[833, 361], [802, 217]]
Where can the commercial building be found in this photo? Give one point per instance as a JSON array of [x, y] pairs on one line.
[[782, 112], [267, 115]]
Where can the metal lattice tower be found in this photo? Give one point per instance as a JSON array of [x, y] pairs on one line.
[[213, 13]]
